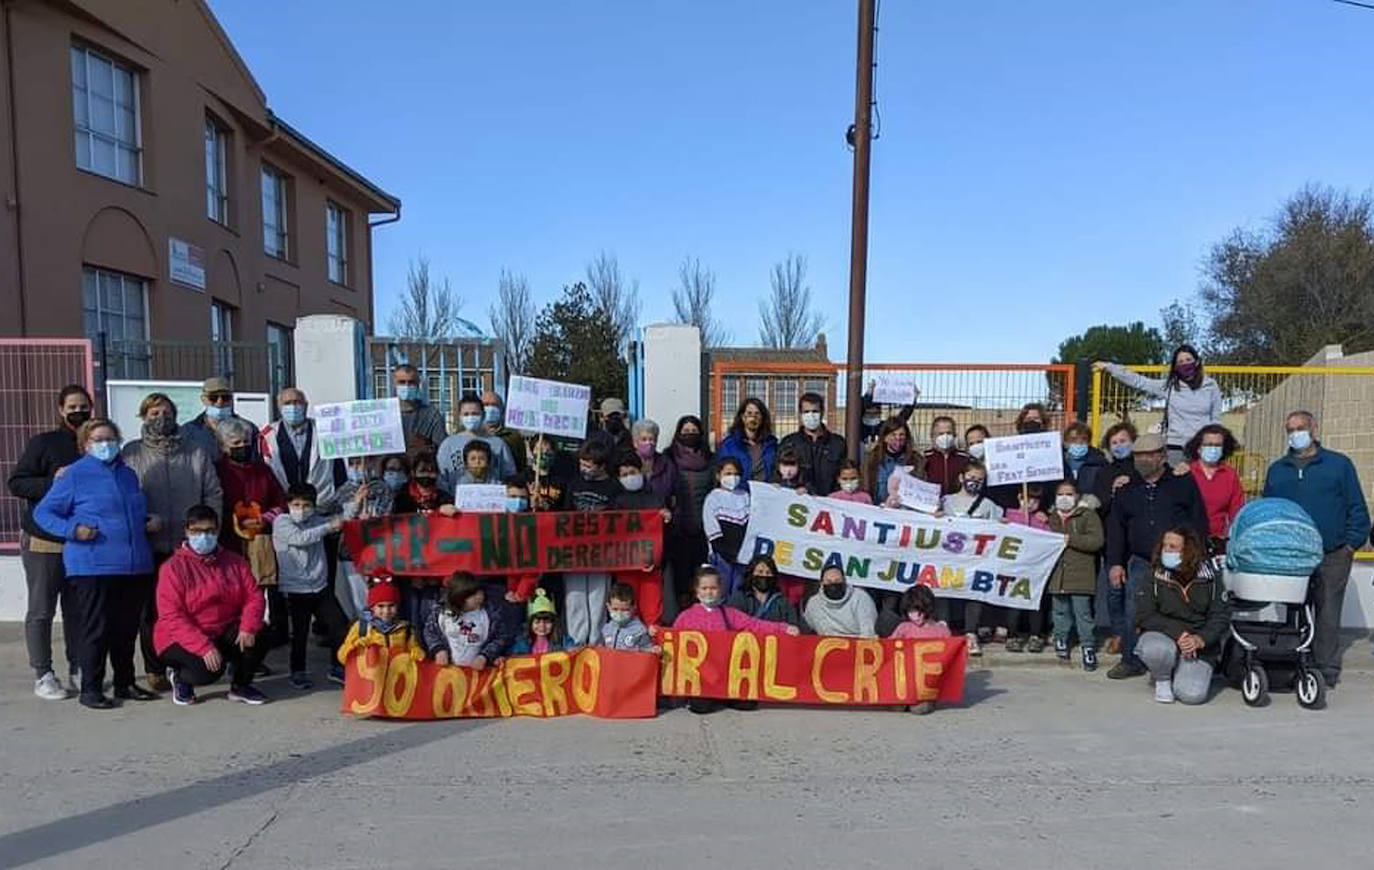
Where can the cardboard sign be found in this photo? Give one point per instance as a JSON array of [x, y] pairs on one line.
[[368, 427], [919, 495], [1021, 459], [896, 388], [480, 497], [547, 407]]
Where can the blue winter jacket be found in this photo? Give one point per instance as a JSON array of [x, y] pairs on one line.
[[107, 499], [1328, 488], [735, 447]]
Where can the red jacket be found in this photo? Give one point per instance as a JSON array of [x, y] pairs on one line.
[[1222, 497], [244, 485], [941, 467], [197, 596]]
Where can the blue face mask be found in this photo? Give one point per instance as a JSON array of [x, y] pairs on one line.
[[1210, 453], [356, 475], [407, 392], [1077, 451], [1171, 560], [471, 421], [218, 412], [105, 451], [492, 414], [1299, 440], [394, 480], [294, 415], [516, 503], [1123, 451], [203, 543]]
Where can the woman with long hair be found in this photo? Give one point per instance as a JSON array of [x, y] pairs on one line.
[[750, 442], [1191, 398], [892, 450]]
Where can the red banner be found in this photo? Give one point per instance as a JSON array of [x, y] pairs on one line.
[[431, 545], [811, 669], [595, 681]]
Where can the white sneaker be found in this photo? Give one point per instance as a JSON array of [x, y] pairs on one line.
[[974, 647], [1164, 691], [49, 687]]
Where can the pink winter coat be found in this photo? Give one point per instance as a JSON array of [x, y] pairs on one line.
[[699, 618], [909, 630], [859, 497], [197, 596]]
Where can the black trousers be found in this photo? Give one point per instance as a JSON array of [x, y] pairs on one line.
[[148, 606], [191, 667], [304, 606], [104, 612]]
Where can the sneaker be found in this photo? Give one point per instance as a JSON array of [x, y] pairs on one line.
[[1124, 670], [1089, 658], [1016, 644], [336, 674], [999, 634], [974, 647], [1164, 691], [925, 708], [984, 634], [248, 695], [1035, 644], [183, 693], [49, 687], [300, 680], [1061, 647], [159, 683]]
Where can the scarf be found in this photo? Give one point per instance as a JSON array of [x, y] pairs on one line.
[[164, 444], [689, 459], [424, 500]]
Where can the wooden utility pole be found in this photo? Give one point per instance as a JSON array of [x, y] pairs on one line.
[[861, 135]]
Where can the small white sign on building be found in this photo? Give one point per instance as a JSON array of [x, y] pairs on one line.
[[186, 263]]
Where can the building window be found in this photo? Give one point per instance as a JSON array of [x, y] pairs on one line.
[[817, 387], [274, 225], [785, 397], [106, 111], [221, 334], [216, 171], [279, 346], [336, 242], [729, 400], [756, 388], [116, 305]]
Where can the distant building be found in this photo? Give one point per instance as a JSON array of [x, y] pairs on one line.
[[778, 377], [154, 203]]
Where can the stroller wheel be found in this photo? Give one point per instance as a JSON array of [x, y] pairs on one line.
[[1254, 686], [1311, 689]]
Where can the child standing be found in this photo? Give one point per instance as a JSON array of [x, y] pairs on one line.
[[1074, 579], [625, 630], [467, 629], [918, 603], [849, 484], [302, 576], [789, 473], [724, 516], [584, 595], [972, 501], [1025, 628], [636, 495], [541, 634], [379, 626]]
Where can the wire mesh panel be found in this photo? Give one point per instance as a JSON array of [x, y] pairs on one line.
[[250, 367], [32, 373]]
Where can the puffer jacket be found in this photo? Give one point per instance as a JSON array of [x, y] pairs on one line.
[[1165, 605], [174, 482], [197, 596], [105, 498], [1076, 571]]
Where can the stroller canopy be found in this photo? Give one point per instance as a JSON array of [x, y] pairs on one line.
[[1274, 536]]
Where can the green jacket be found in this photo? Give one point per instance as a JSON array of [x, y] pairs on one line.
[[1076, 571], [1165, 605]]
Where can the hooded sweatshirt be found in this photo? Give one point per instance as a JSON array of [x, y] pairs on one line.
[[1187, 409], [198, 596], [699, 617], [853, 615]]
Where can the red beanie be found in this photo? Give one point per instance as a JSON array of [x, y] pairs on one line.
[[384, 592]]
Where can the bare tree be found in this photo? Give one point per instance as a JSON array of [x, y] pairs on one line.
[[429, 309], [692, 302], [512, 320], [786, 319], [613, 294]]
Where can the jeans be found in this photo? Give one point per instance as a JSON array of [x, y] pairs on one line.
[[1192, 678], [731, 574], [191, 668], [104, 611], [584, 606], [44, 576], [1137, 574], [1327, 594], [304, 606], [1072, 611]]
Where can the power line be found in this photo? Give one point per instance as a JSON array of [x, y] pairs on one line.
[[1355, 3]]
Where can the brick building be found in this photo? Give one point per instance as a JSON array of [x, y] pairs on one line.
[[777, 376]]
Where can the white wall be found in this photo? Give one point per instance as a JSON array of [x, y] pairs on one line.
[[328, 360], [672, 375]]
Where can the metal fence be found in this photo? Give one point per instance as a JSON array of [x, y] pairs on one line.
[[447, 369], [32, 372], [250, 367]]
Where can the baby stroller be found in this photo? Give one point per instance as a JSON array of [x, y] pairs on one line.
[[1274, 549]]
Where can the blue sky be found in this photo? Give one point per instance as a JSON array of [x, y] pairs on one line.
[[1042, 167]]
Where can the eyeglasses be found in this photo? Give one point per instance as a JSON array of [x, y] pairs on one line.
[[219, 398]]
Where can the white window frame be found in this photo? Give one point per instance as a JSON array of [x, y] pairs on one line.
[[216, 171], [336, 220], [132, 140], [222, 337], [127, 364], [282, 374], [276, 228]]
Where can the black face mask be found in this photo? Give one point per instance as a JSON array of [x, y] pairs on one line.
[[615, 425], [762, 584], [692, 440], [239, 454], [1030, 427], [76, 418], [424, 481], [835, 591]]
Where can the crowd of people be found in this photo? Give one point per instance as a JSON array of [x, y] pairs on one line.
[[213, 542]]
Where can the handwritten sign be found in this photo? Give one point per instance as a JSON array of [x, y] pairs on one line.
[[547, 407], [896, 388], [487, 498], [1024, 458], [369, 427], [919, 495]]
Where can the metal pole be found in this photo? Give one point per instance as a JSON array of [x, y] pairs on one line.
[[858, 244]]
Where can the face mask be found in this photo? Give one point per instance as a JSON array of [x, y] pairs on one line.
[[729, 482], [1147, 467], [811, 420], [203, 543], [632, 482], [761, 583], [105, 451], [691, 439], [516, 503], [592, 474], [1077, 451], [1299, 440], [620, 617], [873, 422], [394, 480], [492, 414], [407, 392], [977, 450], [293, 414], [300, 515], [645, 449], [973, 486], [944, 441], [916, 616], [1065, 503], [614, 424], [76, 418], [1186, 370], [424, 481], [1123, 451], [356, 475], [217, 412], [849, 486], [1030, 427], [471, 421], [1210, 453], [160, 427], [897, 448], [708, 601], [787, 472], [239, 454], [835, 591], [1171, 560]]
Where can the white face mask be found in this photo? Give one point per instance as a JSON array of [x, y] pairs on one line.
[[729, 481], [944, 441], [1065, 503], [632, 482], [977, 450], [301, 514], [849, 485], [811, 420]]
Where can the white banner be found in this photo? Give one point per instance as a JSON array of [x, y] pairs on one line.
[[1024, 458], [487, 498], [979, 560], [368, 427], [895, 388], [547, 407]]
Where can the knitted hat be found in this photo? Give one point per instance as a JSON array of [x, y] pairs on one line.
[[384, 592], [541, 605]]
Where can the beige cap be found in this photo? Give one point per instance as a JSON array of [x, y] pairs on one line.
[[1148, 443], [612, 406], [216, 385]]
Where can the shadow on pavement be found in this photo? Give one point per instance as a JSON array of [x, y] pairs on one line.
[[977, 688]]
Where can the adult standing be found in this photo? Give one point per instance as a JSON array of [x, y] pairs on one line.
[[1156, 500], [98, 510], [613, 432], [1191, 398], [892, 451], [873, 418], [1033, 418], [943, 460], [819, 451], [750, 442], [1326, 485], [474, 428], [691, 458], [421, 423], [1222, 493], [217, 397], [175, 472], [289, 448], [494, 416], [43, 459], [252, 496], [660, 472], [1110, 608]]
